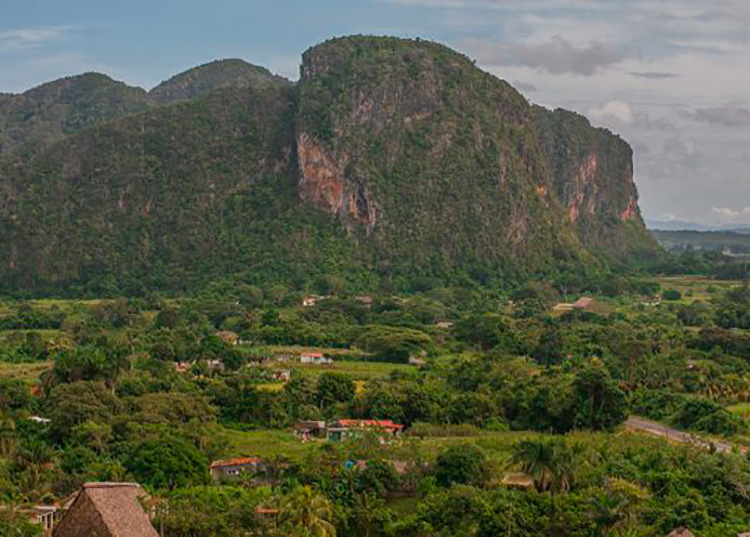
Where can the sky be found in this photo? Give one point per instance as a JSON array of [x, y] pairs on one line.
[[671, 76]]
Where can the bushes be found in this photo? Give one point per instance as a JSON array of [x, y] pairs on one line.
[[671, 294], [463, 464], [687, 412]]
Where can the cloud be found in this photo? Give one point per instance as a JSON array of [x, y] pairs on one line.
[[726, 213], [25, 38], [653, 75], [729, 115], [557, 56], [619, 111]]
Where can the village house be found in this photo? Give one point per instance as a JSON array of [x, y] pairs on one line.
[[364, 299], [311, 300], [314, 358], [107, 510], [38, 419], [47, 516], [284, 375], [307, 430], [582, 303], [183, 367], [342, 430], [444, 325], [232, 468]]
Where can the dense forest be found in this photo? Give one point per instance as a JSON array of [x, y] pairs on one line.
[[514, 407]]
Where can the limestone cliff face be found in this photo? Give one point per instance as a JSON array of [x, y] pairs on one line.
[[409, 144], [322, 183], [591, 171]]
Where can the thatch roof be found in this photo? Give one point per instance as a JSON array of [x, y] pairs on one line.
[[102, 509], [681, 532]]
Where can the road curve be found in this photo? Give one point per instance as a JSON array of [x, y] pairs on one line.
[[675, 435]]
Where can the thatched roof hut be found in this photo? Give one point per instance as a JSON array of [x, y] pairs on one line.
[[107, 510]]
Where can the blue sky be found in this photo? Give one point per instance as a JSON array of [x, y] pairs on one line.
[[672, 76]]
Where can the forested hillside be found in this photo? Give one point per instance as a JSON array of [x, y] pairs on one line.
[[389, 162]]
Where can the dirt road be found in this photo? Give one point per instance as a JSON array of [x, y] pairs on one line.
[[675, 435]]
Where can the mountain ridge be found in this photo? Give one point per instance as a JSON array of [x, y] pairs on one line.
[[390, 159]]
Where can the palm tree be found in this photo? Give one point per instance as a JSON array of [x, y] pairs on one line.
[[615, 509], [547, 462], [609, 513], [365, 512], [306, 513]]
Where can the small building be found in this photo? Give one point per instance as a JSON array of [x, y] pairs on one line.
[[341, 430], [311, 300], [314, 358], [307, 430], [419, 362], [518, 480], [444, 325], [38, 419], [47, 516], [183, 367], [681, 532], [230, 338], [284, 375], [364, 299], [583, 303], [215, 365], [107, 510], [231, 468]]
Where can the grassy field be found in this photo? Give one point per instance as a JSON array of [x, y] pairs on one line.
[[497, 446], [694, 288], [27, 372]]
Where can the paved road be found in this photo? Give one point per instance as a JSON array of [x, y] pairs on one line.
[[675, 435]]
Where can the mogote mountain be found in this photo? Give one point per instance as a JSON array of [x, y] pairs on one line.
[[390, 158]]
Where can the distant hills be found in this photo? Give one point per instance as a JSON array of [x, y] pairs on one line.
[[391, 160], [681, 225]]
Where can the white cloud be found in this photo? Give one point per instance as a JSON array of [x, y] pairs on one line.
[[25, 38], [725, 213], [619, 111]]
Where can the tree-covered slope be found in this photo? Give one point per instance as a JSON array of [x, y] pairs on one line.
[[431, 161], [390, 159], [163, 199], [218, 74], [46, 114]]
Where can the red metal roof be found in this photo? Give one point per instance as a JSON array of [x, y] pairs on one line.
[[235, 462], [380, 424], [313, 354]]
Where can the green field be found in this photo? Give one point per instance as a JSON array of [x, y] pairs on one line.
[[27, 372]]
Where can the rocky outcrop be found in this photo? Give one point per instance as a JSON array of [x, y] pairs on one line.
[[591, 170], [437, 158], [323, 184]]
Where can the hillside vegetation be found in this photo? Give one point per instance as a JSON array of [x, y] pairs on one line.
[[390, 162]]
